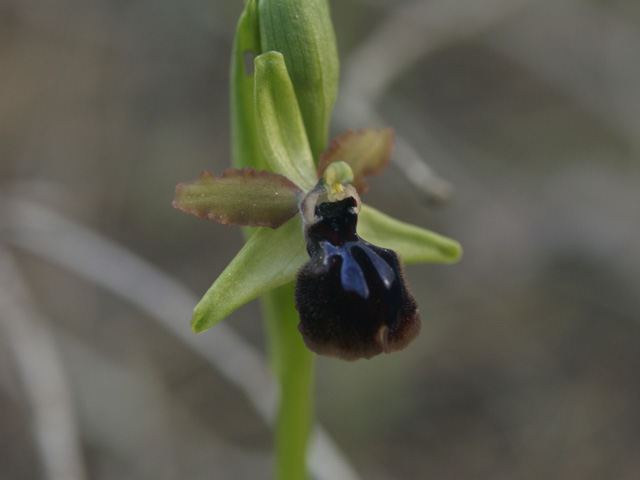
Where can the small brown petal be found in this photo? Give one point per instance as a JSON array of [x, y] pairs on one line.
[[367, 151], [240, 197]]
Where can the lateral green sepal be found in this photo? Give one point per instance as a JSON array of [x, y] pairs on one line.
[[270, 258], [412, 243]]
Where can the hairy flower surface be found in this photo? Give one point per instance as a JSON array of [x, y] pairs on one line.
[[351, 295]]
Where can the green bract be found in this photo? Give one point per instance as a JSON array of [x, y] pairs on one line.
[[302, 32]]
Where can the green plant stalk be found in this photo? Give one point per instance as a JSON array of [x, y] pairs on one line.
[[301, 30], [292, 364]]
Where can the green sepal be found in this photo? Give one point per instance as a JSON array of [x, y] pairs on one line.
[[302, 31], [240, 197], [279, 124], [246, 151], [412, 243], [367, 151], [270, 258]]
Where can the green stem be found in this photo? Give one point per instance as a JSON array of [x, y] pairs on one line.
[[292, 364]]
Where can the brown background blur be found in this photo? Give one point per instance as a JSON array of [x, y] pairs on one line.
[[528, 365]]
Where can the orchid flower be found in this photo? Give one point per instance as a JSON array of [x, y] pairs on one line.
[[277, 251], [351, 294], [350, 290]]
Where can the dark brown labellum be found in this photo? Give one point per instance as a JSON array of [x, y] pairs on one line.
[[351, 296]]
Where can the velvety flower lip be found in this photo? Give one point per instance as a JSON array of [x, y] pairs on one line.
[[351, 295]]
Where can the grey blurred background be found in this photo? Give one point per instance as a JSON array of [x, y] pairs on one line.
[[519, 135]]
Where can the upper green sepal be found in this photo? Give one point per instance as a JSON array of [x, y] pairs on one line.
[[280, 128], [412, 243], [270, 258], [240, 197]]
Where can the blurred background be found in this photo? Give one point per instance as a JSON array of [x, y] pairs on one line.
[[518, 125]]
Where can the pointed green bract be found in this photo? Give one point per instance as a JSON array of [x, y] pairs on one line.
[[302, 31], [246, 151], [279, 124], [240, 197], [367, 151], [270, 258], [413, 244]]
